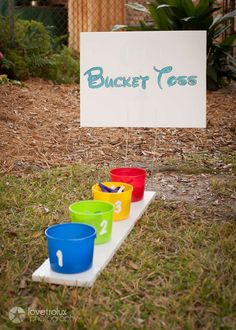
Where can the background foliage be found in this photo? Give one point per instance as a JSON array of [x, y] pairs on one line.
[[35, 51], [188, 15]]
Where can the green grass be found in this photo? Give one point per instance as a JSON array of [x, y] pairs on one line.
[[198, 163], [176, 270], [230, 159], [223, 188]]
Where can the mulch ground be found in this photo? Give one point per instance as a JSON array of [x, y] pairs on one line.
[[40, 128]]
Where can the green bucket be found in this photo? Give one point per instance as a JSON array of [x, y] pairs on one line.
[[95, 213]]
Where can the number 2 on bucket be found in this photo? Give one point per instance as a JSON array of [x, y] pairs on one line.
[[104, 227], [59, 258], [118, 206]]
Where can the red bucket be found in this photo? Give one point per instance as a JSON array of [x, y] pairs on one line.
[[132, 175]]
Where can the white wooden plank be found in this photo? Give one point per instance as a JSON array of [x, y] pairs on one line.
[[102, 253]]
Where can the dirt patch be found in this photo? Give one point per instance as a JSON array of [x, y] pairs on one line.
[[194, 189]]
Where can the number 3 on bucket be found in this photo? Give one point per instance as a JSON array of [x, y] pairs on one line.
[[118, 207]]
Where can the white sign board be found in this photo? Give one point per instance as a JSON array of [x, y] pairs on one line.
[[143, 79]]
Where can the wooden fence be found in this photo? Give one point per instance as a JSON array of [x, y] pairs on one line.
[[91, 15]]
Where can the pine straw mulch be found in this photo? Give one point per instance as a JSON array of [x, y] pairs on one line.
[[40, 128]]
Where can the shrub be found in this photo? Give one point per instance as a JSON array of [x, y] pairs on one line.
[[18, 67], [64, 67], [189, 15], [34, 51]]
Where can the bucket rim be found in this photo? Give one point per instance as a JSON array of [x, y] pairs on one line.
[[129, 168], [93, 201], [70, 224], [131, 188]]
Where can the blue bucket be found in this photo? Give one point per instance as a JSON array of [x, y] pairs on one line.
[[70, 247]]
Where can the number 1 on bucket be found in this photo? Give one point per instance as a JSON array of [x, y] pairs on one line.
[[59, 258]]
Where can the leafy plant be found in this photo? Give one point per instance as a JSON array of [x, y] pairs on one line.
[[5, 80], [15, 65], [63, 67], [35, 51], [167, 15]]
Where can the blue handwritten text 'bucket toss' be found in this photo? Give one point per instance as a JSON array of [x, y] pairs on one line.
[[96, 79]]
